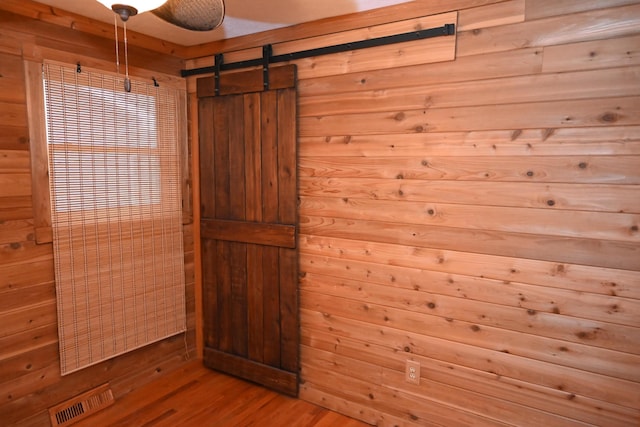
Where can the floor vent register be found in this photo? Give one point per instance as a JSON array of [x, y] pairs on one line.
[[81, 406]]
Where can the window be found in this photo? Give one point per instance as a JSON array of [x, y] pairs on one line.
[[90, 132], [116, 212]]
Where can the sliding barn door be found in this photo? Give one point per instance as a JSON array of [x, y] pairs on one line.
[[248, 226]]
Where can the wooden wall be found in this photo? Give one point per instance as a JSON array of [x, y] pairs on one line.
[[477, 215], [30, 379]]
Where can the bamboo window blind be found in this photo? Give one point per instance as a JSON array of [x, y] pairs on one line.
[[114, 172]]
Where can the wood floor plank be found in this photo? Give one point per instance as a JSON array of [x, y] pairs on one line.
[[194, 396]]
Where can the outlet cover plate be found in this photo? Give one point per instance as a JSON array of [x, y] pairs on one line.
[[412, 372]]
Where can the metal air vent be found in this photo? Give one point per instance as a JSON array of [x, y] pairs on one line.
[[81, 406]]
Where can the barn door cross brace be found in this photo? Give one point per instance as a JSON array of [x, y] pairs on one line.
[[268, 58]]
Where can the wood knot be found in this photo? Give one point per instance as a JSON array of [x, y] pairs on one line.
[[399, 117], [475, 328], [609, 117], [586, 335], [547, 133]]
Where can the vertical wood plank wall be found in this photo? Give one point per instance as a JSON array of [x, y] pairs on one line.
[[30, 378], [479, 216]]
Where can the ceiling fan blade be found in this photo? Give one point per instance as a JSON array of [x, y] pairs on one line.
[[196, 15]]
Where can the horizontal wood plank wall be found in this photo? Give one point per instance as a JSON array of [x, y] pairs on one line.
[[479, 216], [30, 378]]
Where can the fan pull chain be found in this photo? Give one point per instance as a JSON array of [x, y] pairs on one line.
[[115, 26], [127, 81]]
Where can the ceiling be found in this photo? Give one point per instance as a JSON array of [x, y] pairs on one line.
[[242, 16]]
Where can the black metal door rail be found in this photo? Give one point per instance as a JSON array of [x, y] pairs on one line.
[[269, 58]]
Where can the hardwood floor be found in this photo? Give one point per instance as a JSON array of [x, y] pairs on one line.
[[196, 396]]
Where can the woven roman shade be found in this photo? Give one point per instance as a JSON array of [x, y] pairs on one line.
[[116, 213]]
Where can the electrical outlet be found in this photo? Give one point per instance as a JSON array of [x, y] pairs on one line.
[[412, 372]]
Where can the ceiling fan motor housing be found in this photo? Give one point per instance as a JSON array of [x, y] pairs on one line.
[[124, 10]]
